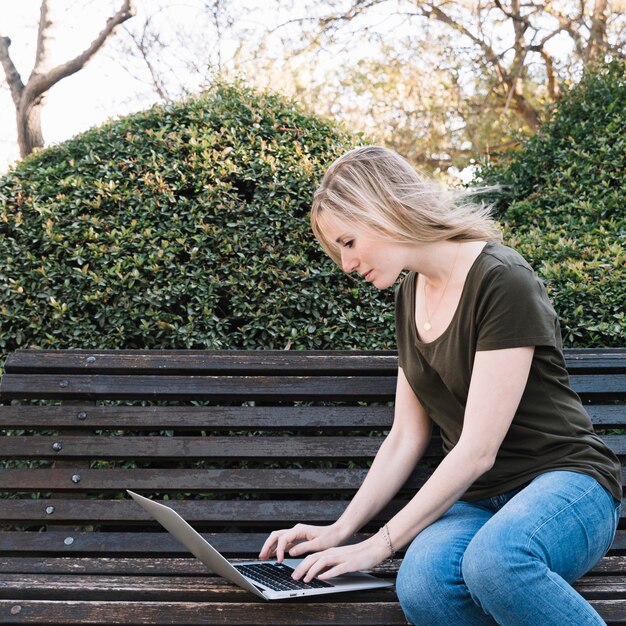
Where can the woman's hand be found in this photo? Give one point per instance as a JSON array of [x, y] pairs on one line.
[[336, 561], [300, 539]]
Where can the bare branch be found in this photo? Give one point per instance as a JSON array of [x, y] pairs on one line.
[[553, 85], [569, 26], [12, 75], [145, 43], [597, 35], [436, 13], [44, 39], [39, 84]]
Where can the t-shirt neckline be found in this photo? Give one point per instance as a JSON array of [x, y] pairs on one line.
[[447, 330]]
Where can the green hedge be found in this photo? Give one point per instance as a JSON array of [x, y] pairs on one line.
[[184, 226], [563, 204]]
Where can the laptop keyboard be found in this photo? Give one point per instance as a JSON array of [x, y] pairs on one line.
[[277, 576]]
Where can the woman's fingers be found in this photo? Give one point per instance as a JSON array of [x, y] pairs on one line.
[[280, 541], [336, 561], [312, 565], [269, 547]]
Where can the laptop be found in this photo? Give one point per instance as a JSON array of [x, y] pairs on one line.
[[267, 579]]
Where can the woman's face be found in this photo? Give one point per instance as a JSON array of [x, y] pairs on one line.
[[377, 259]]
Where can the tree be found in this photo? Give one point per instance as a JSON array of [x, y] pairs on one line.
[[29, 97], [561, 200], [176, 49], [503, 65]]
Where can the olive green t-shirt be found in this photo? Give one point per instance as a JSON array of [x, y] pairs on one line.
[[504, 305]]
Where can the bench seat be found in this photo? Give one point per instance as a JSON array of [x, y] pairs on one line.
[[238, 442]]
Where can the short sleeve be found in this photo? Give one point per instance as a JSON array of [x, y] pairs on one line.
[[514, 310], [403, 317]]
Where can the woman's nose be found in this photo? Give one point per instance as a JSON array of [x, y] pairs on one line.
[[348, 261]]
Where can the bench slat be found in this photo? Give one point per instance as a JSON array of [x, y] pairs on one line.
[[207, 588], [607, 415], [196, 417], [601, 587], [159, 565], [216, 481], [222, 388], [241, 448], [165, 613], [234, 418], [609, 566], [203, 362], [241, 388], [599, 384], [207, 613], [256, 361], [127, 544], [186, 448], [246, 512], [609, 360], [200, 480], [72, 542], [204, 587], [205, 512], [133, 588]]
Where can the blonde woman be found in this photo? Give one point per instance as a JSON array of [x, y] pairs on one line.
[[527, 498]]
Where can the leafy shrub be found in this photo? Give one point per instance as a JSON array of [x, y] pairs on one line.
[[184, 226], [563, 206]]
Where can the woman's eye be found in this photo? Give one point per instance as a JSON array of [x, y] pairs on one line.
[[348, 244]]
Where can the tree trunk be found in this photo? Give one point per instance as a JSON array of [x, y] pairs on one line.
[[596, 49], [29, 135]]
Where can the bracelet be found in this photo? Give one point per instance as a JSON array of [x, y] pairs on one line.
[[384, 531]]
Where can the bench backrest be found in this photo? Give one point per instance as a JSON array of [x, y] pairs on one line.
[[238, 442]]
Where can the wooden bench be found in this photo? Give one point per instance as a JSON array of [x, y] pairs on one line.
[[239, 443]]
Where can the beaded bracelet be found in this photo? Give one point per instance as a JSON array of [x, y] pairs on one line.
[[384, 531]]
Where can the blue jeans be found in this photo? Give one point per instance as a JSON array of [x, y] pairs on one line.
[[510, 559]]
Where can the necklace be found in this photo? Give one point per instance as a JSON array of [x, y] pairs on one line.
[[427, 324]]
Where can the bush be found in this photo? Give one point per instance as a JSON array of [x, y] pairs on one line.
[[184, 226], [563, 207]]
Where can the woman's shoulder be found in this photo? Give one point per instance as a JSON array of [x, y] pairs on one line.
[[497, 255], [506, 272]]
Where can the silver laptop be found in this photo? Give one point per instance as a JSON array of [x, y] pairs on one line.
[[266, 579]]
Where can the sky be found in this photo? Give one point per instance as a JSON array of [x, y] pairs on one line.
[[115, 83], [104, 88]]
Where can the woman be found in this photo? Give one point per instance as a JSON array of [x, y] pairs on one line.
[[527, 498]]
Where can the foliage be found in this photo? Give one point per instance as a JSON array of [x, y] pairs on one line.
[[563, 202], [184, 226], [443, 82]]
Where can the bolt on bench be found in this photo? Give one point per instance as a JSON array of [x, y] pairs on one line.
[[239, 443]]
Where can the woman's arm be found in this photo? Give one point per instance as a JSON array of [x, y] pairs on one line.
[[498, 381], [395, 460]]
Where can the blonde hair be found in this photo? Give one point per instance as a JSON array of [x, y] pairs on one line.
[[376, 187]]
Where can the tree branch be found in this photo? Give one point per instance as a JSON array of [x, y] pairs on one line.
[[10, 71], [553, 85], [40, 83], [597, 34], [568, 25], [145, 44], [44, 38], [490, 55]]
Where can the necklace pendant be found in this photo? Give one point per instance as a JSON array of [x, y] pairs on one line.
[[427, 326]]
